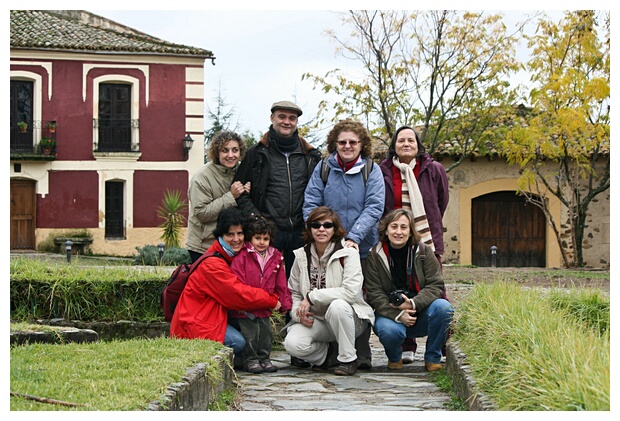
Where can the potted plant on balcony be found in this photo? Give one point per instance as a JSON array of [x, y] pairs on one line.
[[52, 126], [46, 144], [23, 126]]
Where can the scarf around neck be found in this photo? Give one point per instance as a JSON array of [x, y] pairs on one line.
[[284, 144], [412, 199], [229, 251]]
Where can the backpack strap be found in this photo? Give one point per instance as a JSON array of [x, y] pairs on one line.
[[365, 171]]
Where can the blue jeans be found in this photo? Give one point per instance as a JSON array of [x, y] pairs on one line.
[[434, 322], [234, 339]]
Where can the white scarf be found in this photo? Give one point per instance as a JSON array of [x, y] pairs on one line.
[[412, 200]]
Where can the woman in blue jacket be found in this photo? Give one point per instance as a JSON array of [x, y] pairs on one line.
[[353, 187]]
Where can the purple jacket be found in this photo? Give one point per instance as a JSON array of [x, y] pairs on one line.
[[433, 183], [273, 279]]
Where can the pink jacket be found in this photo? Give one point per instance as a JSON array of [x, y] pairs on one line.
[[272, 279]]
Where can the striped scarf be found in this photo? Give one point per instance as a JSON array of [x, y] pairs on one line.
[[412, 200]]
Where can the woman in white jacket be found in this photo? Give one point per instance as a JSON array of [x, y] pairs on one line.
[[328, 306]]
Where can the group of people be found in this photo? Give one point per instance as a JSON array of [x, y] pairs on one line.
[[339, 245]]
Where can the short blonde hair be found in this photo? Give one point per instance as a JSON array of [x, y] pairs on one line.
[[350, 126]]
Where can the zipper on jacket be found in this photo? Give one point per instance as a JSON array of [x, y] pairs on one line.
[[290, 192]]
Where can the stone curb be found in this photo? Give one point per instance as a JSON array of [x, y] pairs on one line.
[[197, 391], [464, 383]]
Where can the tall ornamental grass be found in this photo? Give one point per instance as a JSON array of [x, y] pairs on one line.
[[528, 350]]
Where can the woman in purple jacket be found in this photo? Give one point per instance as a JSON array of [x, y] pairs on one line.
[[416, 182]]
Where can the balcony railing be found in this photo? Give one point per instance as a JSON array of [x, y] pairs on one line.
[[23, 144], [115, 135]]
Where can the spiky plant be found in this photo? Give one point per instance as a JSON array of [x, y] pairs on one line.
[[171, 211]]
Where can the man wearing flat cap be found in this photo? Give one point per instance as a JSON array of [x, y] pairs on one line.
[[278, 168]]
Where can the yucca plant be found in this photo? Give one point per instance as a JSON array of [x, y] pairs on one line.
[[171, 211]]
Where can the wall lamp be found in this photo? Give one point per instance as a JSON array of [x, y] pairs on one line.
[[187, 145]]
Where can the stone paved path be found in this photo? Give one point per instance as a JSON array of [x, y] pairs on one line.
[[301, 389]]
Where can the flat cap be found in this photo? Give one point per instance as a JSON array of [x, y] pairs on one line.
[[286, 105]]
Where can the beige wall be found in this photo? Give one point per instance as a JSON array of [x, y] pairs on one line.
[[136, 237], [475, 178]]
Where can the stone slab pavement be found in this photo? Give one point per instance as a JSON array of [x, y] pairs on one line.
[[378, 389]]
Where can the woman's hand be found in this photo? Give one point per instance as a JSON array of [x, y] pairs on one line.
[[408, 318], [237, 189], [351, 243], [304, 314], [277, 307]]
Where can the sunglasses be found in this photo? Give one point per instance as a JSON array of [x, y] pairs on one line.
[[318, 225], [350, 142]]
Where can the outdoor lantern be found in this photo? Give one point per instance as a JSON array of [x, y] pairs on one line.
[[161, 246], [68, 245], [493, 256], [187, 145]]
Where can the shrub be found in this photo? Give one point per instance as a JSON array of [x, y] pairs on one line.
[[149, 256], [171, 211]]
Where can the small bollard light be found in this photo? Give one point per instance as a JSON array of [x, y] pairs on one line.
[[68, 245], [493, 256], [161, 246]]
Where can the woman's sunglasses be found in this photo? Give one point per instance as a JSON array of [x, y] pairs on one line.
[[326, 225]]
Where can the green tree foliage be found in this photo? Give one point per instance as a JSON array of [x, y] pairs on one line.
[[444, 70], [563, 144], [171, 211]]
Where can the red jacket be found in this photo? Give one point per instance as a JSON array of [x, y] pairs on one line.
[[273, 279], [212, 290]]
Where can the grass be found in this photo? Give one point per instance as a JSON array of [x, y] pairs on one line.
[[527, 352], [444, 382], [104, 376]]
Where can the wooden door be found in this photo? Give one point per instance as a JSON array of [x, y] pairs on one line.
[[515, 227], [23, 214]]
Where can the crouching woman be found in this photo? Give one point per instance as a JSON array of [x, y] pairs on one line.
[[213, 289], [400, 262], [328, 306]]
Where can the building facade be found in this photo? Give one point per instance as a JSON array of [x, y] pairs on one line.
[[119, 108]]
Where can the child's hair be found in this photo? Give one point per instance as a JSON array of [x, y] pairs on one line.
[[260, 225]]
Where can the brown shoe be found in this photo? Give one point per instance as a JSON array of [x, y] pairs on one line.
[[346, 369], [432, 366], [398, 365]]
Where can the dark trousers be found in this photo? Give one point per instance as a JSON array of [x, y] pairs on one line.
[[286, 242], [258, 334], [194, 255]]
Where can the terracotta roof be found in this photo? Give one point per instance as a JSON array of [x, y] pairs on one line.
[[79, 30]]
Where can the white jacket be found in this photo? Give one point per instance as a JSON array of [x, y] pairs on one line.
[[342, 281]]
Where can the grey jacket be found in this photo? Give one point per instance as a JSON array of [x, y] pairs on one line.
[[208, 193]]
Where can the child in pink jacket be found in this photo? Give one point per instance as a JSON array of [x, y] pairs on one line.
[[260, 265]]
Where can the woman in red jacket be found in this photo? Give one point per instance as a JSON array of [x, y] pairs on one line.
[[212, 290]]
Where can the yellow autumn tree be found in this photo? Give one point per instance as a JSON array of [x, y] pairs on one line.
[[562, 144]]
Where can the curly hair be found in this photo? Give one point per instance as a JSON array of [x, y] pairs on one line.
[[260, 225], [324, 212], [414, 236], [219, 140], [349, 126], [392, 148]]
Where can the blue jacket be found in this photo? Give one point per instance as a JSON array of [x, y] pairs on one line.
[[359, 206]]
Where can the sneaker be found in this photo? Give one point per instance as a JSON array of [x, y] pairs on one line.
[[254, 368], [407, 357], [432, 366], [346, 369], [298, 362], [398, 365], [268, 366]]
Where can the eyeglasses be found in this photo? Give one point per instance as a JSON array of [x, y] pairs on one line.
[[326, 225], [350, 142]]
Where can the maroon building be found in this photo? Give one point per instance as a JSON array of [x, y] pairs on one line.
[[101, 115]]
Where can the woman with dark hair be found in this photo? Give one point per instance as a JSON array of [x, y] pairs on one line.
[[212, 290], [416, 182], [328, 306], [406, 289], [210, 190]]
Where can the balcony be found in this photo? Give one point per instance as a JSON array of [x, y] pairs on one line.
[[116, 135], [23, 146]]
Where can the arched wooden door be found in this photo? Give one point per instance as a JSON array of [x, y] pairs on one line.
[[517, 228], [23, 214]]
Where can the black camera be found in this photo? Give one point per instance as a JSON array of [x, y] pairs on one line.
[[396, 297]]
